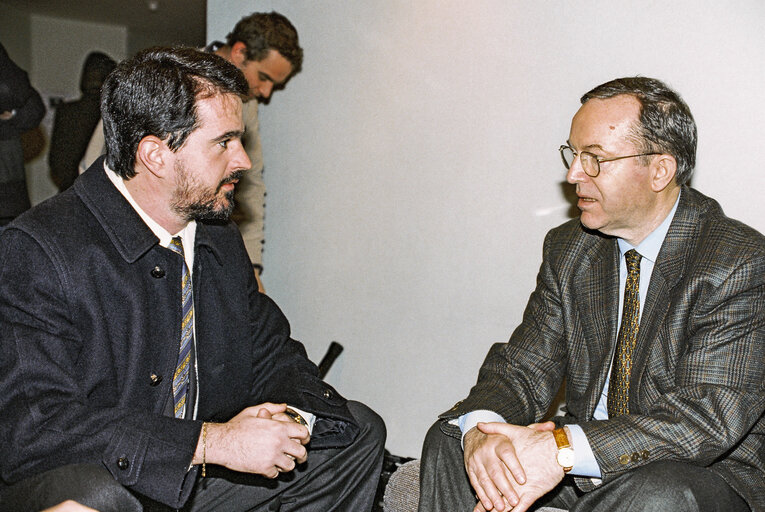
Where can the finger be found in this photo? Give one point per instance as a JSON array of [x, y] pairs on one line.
[[494, 428], [282, 417], [510, 460], [263, 413], [298, 432], [479, 507], [483, 498], [524, 504], [545, 426], [273, 408], [500, 477], [490, 481], [297, 452], [285, 463]]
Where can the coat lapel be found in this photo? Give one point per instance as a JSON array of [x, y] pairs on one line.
[[129, 234], [596, 297], [667, 273]]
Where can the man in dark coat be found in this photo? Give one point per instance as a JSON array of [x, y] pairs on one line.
[[138, 356], [21, 109]]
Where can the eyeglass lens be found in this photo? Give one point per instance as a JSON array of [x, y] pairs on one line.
[[589, 163]]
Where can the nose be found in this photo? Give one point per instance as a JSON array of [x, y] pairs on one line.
[[265, 89], [240, 159], [575, 172]]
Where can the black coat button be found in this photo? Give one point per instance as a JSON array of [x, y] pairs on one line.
[[157, 272], [123, 463], [328, 394], [155, 379]]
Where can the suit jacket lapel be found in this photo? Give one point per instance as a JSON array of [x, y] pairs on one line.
[[667, 273], [596, 298]]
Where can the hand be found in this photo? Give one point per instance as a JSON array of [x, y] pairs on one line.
[[535, 448], [255, 441], [491, 464]]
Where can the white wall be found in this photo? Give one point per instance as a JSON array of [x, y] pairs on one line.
[[412, 166]]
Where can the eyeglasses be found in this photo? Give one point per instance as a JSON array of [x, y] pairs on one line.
[[590, 161]]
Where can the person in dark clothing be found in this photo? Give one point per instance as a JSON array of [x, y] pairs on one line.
[[76, 120], [140, 363], [21, 109]]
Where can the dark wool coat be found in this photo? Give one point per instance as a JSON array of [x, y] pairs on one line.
[[90, 315]]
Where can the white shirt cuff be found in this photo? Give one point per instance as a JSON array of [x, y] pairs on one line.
[[471, 419], [584, 460], [307, 416]]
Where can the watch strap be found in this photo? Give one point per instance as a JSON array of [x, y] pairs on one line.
[[561, 439]]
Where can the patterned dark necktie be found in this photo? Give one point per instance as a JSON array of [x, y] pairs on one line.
[[181, 375], [619, 384]]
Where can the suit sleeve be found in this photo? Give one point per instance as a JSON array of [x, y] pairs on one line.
[[282, 371], [48, 419], [29, 113]]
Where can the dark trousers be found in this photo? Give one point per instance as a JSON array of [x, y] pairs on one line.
[[335, 479], [658, 486]]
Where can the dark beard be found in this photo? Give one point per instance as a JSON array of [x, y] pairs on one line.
[[207, 210], [205, 205]]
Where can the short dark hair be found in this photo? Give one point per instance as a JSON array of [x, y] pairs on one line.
[[665, 122], [261, 32], [155, 93]]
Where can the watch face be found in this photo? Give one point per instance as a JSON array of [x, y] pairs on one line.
[[566, 457]]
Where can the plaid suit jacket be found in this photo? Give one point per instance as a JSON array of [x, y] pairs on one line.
[[697, 388]]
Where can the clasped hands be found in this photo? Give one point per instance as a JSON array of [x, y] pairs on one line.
[[511, 466], [261, 439]]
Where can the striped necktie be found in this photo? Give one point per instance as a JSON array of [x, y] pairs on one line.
[[619, 385], [181, 375]]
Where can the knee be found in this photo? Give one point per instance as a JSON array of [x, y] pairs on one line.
[[87, 484], [371, 426], [434, 435], [659, 475], [438, 442], [94, 486], [669, 483]]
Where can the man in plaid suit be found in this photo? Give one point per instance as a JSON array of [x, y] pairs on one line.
[[683, 429]]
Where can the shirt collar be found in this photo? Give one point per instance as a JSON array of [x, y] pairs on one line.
[[186, 234], [649, 248]]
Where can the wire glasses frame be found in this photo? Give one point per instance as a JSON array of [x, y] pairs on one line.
[[590, 161]]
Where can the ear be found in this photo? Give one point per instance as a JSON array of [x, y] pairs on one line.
[[663, 170], [239, 54], [153, 155]]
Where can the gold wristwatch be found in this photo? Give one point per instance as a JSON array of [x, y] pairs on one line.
[[297, 418], [565, 455]]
